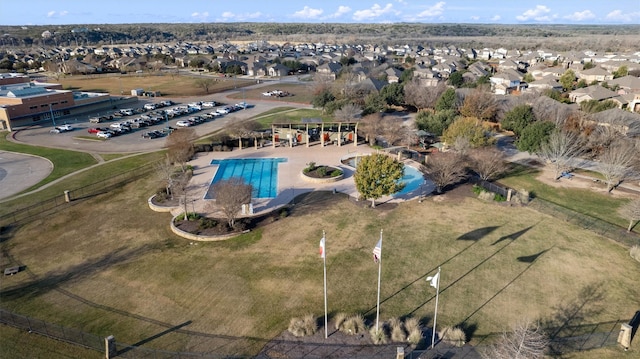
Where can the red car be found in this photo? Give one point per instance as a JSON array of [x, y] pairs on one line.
[[96, 129]]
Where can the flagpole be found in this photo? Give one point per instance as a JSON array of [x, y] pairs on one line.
[[435, 316], [324, 261], [379, 272]]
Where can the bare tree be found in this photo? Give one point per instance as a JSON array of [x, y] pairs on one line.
[[524, 342], [487, 162], [205, 84], [372, 126], [423, 97], [631, 211], [481, 104], [347, 113], [166, 171], [561, 150], [617, 162], [230, 195], [392, 129], [445, 169], [180, 187], [180, 146]]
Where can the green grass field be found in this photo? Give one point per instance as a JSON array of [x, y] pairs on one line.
[[300, 93]]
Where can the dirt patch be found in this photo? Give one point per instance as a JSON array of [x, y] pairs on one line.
[[546, 176]]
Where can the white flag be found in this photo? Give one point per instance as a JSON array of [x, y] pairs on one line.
[[322, 251], [434, 280]]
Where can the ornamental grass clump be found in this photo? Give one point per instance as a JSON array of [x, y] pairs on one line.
[[397, 330], [339, 320], [353, 325], [454, 336], [412, 326], [635, 252], [302, 327], [378, 336]]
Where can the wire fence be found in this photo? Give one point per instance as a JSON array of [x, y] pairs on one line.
[[49, 205]]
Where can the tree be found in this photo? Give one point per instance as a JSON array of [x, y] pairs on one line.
[[435, 122], [393, 94], [230, 195], [470, 128], [373, 103], [444, 169], [622, 71], [518, 118], [378, 175], [480, 103], [322, 98], [166, 173], [528, 78], [567, 79], [560, 150], [422, 97], [180, 187], [180, 147], [347, 113], [456, 80], [372, 126], [524, 342], [617, 162], [487, 163], [588, 65], [631, 211], [447, 101], [534, 135], [205, 84], [593, 106]]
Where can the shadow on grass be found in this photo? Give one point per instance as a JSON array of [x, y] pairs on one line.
[[145, 341]]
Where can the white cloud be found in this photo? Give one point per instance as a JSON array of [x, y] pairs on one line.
[[54, 13], [432, 11], [51, 14], [496, 18], [619, 16], [580, 16], [402, 2], [229, 16], [540, 13], [375, 11], [308, 13], [475, 18], [200, 15], [341, 11], [63, 12]]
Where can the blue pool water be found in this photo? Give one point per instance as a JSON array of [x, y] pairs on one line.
[[261, 173], [412, 180]]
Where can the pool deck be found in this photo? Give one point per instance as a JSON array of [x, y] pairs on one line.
[[290, 179]]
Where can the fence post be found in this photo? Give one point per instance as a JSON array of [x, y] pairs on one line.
[[509, 195], [67, 197], [110, 347]]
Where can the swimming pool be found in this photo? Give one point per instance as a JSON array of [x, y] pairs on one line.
[[261, 173], [412, 178]]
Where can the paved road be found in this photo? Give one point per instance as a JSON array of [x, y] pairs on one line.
[[19, 172]]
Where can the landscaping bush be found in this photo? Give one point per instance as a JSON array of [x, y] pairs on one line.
[[339, 320], [397, 330], [336, 173], [635, 252], [486, 196], [353, 325], [412, 326], [305, 326], [310, 167], [454, 336], [499, 198], [322, 171], [378, 337], [191, 216], [206, 223]]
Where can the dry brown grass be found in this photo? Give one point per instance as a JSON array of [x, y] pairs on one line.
[[397, 330], [109, 265], [412, 326], [353, 325], [635, 252], [302, 327], [454, 336]]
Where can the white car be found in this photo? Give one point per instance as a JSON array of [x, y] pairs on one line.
[[209, 104], [223, 110], [149, 106], [103, 134], [64, 128], [183, 123]]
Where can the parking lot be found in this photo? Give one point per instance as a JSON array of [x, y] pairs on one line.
[[128, 134]]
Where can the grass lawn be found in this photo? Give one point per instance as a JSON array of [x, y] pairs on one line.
[[584, 201], [16, 343], [167, 84], [300, 93], [286, 115], [64, 161], [111, 266]]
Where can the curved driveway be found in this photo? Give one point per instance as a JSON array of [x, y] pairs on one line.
[[19, 172]]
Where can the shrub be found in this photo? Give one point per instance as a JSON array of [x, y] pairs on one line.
[[477, 189], [191, 216], [336, 173], [310, 167], [378, 337], [322, 171], [205, 223], [499, 198], [522, 197], [284, 213], [486, 196], [305, 326], [339, 320], [397, 330], [412, 326], [353, 325], [635, 252], [454, 336]]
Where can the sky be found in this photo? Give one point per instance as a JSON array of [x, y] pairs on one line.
[[63, 12]]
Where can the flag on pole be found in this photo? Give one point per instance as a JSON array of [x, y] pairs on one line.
[[377, 251], [322, 250], [434, 280]]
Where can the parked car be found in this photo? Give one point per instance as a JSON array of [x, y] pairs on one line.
[[223, 110], [209, 104], [183, 123], [127, 112], [242, 105], [103, 134], [94, 130], [150, 106]]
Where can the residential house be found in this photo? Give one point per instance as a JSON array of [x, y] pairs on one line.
[[626, 84], [593, 92], [329, 70], [625, 122], [393, 74], [595, 74], [544, 84], [278, 70], [505, 82]]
